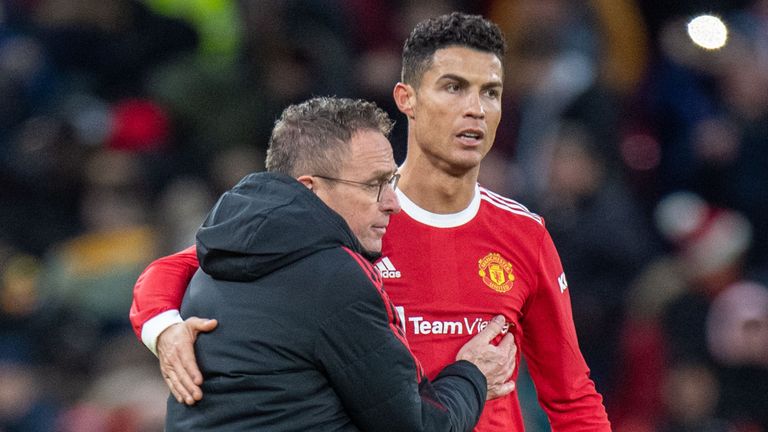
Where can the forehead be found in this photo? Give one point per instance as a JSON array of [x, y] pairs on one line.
[[370, 153], [467, 63]]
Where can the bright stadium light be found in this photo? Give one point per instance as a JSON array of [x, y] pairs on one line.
[[708, 32]]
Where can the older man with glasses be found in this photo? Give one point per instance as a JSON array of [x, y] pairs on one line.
[[307, 337]]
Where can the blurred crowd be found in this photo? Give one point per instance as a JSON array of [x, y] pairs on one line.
[[121, 121]]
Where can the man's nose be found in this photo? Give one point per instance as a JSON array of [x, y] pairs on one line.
[[389, 202], [474, 106]]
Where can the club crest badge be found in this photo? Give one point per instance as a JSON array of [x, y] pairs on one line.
[[496, 272]]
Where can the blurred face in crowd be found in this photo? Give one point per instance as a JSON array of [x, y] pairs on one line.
[[368, 163], [455, 110]]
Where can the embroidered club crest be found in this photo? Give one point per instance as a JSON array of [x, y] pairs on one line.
[[496, 272]]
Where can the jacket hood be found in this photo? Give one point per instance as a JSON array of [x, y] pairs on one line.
[[265, 222]]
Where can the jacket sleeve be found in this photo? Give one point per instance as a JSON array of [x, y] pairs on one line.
[[550, 346], [374, 373], [158, 292]]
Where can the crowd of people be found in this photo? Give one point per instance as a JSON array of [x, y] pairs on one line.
[[122, 121]]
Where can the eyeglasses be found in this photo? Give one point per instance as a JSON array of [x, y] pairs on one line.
[[378, 186]]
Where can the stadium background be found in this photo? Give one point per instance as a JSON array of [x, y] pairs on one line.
[[121, 121]]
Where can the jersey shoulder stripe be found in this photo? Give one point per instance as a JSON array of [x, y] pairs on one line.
[[509, 205], [504, 199], [367, 268]]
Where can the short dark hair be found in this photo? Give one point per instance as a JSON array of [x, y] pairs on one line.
[[311, 137], [471, 31]]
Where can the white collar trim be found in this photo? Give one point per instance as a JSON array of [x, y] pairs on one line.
[[437, 220]]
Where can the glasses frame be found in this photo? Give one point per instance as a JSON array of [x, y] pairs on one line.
[[392, 182]]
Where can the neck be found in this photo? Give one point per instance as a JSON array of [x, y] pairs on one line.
[[435, 190]]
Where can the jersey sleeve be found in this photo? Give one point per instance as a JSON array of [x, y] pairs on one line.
[[550, 346], [378, 380], [158, 292]]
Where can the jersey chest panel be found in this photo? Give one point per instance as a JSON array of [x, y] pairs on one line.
[[447, 283]]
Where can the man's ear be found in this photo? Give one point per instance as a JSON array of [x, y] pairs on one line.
[[307, 181], [405, 98]]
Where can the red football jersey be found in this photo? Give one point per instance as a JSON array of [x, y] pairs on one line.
[[449, 275]]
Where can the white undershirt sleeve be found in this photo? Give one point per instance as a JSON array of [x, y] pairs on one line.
[[155, 325]]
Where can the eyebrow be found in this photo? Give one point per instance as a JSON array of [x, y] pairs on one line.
[[453, 77], [492, 84], [382, 175], [463, 81]]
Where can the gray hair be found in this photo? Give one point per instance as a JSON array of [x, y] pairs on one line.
[[311, 137]]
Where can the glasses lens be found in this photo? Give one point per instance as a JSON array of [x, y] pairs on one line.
[[392, 182]]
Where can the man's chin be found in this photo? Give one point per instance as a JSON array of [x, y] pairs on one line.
[[371, 255]]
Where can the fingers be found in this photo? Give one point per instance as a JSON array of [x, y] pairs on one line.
[[192, 378], [511, 362], [508, 347], [179, 369], [170, 381], [501, 390], [189, 374], [496, 362], [180, 392], [504, 385], [508, 344], [499, 378], [494, 328], [176, 351]]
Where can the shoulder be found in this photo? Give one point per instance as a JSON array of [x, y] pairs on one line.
[[508, 208], [345, 272]]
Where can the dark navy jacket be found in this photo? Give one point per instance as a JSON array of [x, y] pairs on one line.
[[307, 338]]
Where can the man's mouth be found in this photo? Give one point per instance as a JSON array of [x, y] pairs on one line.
[[471, 136]]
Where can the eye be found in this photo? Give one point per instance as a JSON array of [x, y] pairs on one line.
[[373, 186], [492, 93], [452, 87]]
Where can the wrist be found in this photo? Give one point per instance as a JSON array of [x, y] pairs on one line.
[[152, 329]]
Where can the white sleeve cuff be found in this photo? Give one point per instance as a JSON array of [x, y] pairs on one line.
[[155, 325]]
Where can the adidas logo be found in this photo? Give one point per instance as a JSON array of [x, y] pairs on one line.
[[387, 270]]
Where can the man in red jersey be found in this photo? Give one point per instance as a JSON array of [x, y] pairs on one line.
[[455, 255]]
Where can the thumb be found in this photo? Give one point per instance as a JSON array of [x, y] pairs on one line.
[[494, 328], [202, 324]]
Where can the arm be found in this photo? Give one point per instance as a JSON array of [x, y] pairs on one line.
[[154, 313], [380, 383], [158, 292], [550, 346]]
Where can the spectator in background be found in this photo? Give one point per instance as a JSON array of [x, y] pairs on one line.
[[671, 337], [122, 393], [737, 340], [690, 394], [62, 67], [112, 43], [712, 244], [25, 400], [711, 115], [567, 61], [602, 236], [181, 205], [24, 406], [88, 271]]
